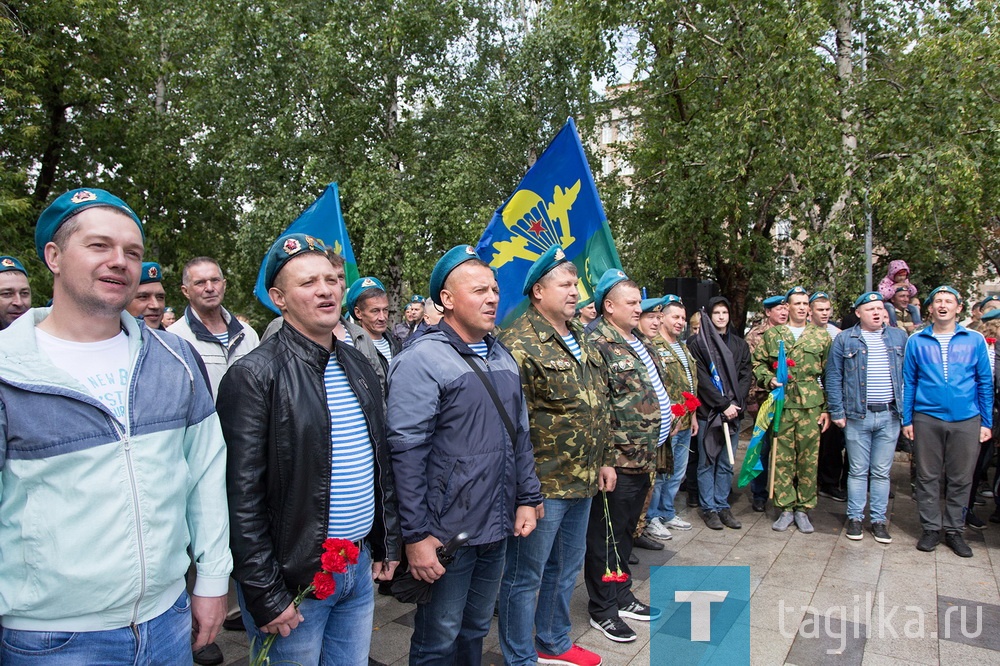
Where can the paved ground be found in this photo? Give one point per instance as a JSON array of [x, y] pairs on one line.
[[852, 587]]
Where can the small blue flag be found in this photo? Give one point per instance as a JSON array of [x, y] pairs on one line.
[[324, 221], [555, 203]]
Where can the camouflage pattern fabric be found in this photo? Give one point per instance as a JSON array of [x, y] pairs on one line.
[[796, 457], [567, 405], [676, 381], [635, 410], [809, 353], [753, 339]]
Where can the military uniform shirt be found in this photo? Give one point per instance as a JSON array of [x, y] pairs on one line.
[[661, 393], [679, 353]]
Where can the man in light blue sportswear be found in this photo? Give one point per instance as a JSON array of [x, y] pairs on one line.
[[102, 505]]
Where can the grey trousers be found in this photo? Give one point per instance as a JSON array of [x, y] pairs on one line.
[[945, 452]]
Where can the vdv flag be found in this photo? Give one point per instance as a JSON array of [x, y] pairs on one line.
[[324, 221], [555, 203]]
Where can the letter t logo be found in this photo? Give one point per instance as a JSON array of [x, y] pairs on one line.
[[701, 610]]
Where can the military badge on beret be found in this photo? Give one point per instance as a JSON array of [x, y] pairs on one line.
[[368, 282], [291, 246], [470, 250], [152, 273], [82, 196], [7, 262]]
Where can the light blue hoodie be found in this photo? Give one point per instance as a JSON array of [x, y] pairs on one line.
[[96, 514]]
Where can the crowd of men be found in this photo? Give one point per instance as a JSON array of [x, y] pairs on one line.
[[188, 457]]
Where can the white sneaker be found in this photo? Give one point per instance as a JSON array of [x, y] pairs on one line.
[[678, 523], [656, 529]]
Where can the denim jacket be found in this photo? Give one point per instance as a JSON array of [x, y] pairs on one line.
[[847, 372]]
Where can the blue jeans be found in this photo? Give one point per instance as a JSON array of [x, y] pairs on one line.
[[334, 631], [538, 582], [715, 477], [450, 628], [166, 639], [666, 486], [871, 444]]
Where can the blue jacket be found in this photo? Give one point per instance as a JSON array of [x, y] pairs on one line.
[[969, 389], [847, 372], [99, 512], [455, 467]]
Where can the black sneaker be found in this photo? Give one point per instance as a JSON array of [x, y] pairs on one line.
[[836, 494], [929, 541], [854, 530], [729, 520], [633, 558], [210, 655], [712, 520], [758, 504], [615, 629], [955, 541], [881, 533], [692, 499], [640, 611], [974, 521], [646, 543]]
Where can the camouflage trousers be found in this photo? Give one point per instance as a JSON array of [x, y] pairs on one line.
[[796, 459]]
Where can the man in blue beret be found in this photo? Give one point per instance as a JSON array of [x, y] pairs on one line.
[[150, 298], [308, 461], [462, 459], [775, 314], [795, 449], [413, 319], [368, 306], [563, 381], [15, 292], [864, 387], [127, 485], [217, 335], [947, 412], [641, 419]]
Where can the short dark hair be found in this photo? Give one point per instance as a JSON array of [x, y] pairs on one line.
[[335, 259]]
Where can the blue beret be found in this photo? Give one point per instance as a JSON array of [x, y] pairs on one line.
[[611, 277], [584, 303], [151, 272], [991, 315], [943, 288], [283, 249], [651, 305], [868, 297], [11, 264], [70, 204], [774, 301], [450, 261], [819, 295], [360, 285], [551, 258], [796, 290], [988, 299], [672, 298], [417, 298]]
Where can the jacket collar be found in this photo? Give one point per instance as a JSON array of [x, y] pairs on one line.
[[929, 330], [546, 331], [456, 341], [200, 331]]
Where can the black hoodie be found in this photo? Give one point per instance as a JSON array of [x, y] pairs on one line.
[[712, 400]]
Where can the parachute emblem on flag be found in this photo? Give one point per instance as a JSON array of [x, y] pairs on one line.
[[535, 225]]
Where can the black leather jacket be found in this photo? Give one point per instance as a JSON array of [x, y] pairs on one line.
[[272, 404]]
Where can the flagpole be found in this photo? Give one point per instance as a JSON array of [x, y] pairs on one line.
[[770, 468], [729, 443]]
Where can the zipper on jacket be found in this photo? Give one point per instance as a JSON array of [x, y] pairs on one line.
[[124, 431]]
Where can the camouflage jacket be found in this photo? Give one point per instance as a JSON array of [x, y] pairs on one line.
[[756, 334], [804, 389], [635, 410], [676, 379], [567, 403]]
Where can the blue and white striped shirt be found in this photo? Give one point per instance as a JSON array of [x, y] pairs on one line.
[[879, 380], [573, 345], [352, 464], [480, 348], [678, 349], [383, 347], [223, 338], [347, 337], [944, 339], [661, 392]]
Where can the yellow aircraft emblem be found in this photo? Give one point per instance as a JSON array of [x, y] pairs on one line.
[[535, 225]]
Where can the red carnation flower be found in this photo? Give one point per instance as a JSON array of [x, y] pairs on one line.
[[790, 363], [333, 562], [342, 548], [991, 341], [324, 585], [677, 410], [691, 402]]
